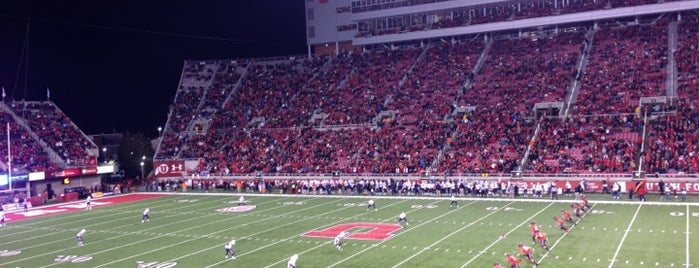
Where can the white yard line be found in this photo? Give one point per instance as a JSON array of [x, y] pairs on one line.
[[626, 233], [561, 238], [528, 220], [67, 215], [114, 237], [377, 244], [195, 238], [687, 241], [281, 240], [323, 244], [76, 229], [52, 228], [452, 233]]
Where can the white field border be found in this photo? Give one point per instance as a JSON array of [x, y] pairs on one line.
[[526, 199]]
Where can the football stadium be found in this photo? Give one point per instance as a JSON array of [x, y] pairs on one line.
[[412, 133]]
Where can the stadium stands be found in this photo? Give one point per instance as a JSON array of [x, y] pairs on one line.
[[452, 107], [473, 15], [56, 130]]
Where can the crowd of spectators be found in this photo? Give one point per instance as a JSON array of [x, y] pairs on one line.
[[27, 154], [518, 74], [625, 64], [473, 15], [673, 139], [58, 132], [437, 124], [600, 144]]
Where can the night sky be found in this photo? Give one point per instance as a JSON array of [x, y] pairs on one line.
[[115, 66]]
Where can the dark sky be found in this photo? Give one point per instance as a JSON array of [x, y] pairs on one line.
[[115, 65]]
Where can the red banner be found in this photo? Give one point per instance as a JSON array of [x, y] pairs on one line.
[[89, 171], [171, 168], [72, 172]]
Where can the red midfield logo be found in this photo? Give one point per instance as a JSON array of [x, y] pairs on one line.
[[376, 231]]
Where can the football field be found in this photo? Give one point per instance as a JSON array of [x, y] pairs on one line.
[[190, 230]]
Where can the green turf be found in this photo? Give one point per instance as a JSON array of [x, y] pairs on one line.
[[187, 231]]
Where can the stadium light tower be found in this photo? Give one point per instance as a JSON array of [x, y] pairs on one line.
[[142, 169], [160, 131], [104, 153]]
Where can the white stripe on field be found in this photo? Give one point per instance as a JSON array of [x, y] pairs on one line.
[[323, 244], [196, 237], [561, 238], [514, 229], [628, 229], [687, 241], [452, 233], [283, 239], [33, 229], [375, 245], [114, 237]]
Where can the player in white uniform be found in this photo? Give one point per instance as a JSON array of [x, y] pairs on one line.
[[2, 218], [79, 237], [403, 217], [371, 204], [229, 249], [145, 216], [338, 240], [453, 202], [241, 201], [88, 202], [292, 261]]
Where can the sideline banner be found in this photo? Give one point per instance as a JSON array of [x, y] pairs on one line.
[[172, 168]]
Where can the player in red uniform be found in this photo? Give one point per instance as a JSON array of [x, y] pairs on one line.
[[577, 211], [585, 202], [512, 260], [567, 216], [541, 236], [561, 223], [582, 206], [534, 229], [497, 265], [528, 253]]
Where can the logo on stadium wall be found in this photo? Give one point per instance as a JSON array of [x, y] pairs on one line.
[[236, 209], [365, 231], [169, 168]]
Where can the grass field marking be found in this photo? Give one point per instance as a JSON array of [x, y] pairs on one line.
[[497, 199], [687, 263], [626, 233], [396, 235], [97, 241], [49, 219], [453, 233], [328, 242], [77, 213], [282, 240], [506, 234], [561, 238], [195, 238], [82, 215], [136, 232]]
